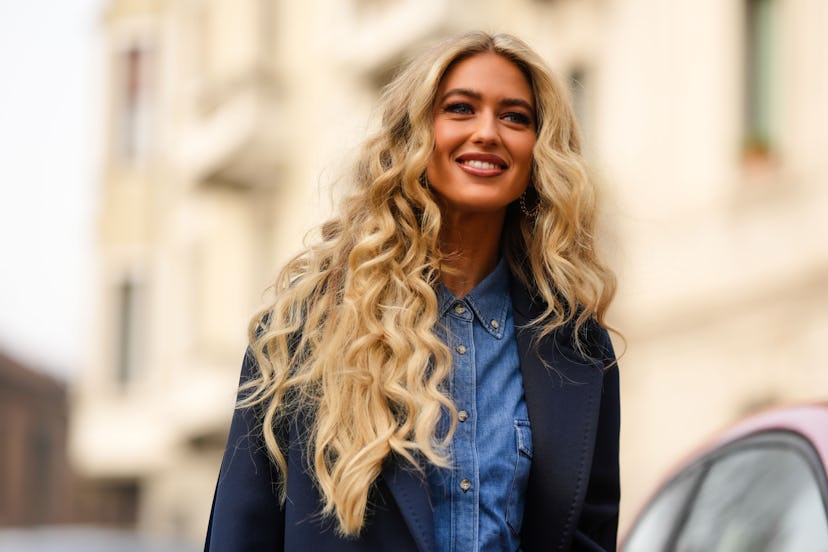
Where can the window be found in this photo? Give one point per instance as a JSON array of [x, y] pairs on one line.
[[661, 518], [579, 88], [134, 100], [267, 28], [363, 6], [40, 456], [128, 332], [760, 75], [760, 498], [760, 494]]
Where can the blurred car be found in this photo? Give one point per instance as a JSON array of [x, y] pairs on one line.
[[70, 538], [761, 486]]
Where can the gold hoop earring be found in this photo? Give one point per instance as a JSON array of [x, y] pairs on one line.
[[529, 213]]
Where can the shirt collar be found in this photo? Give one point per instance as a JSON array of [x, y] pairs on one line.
[[489, 300]]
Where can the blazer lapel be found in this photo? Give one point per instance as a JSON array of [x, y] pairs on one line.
[[563, 399], [411, 493]]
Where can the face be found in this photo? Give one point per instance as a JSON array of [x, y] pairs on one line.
[[484, 132]]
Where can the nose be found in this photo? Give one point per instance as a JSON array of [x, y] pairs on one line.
[[486, 131]]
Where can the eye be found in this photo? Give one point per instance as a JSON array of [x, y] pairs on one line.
[[518, 118], [461, 108]]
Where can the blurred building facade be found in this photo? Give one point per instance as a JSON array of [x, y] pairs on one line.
[[703, 121], [36, 484]]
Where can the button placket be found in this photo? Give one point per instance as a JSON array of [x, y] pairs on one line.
[[461, 325]]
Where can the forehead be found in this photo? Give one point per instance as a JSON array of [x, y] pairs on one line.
[[487, 73]]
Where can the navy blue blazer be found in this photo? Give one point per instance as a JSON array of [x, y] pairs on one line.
[[572, 495]]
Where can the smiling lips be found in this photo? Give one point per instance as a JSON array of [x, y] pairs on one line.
[[481, 164]]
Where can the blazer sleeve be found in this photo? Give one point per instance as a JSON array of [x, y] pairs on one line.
[[246, 514], [598, 525]]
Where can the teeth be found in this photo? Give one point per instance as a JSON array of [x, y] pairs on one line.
[[481, 165]]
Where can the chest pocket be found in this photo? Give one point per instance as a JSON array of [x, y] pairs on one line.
[[523, 462]]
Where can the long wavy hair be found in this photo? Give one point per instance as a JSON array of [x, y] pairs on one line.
[[348, 346]]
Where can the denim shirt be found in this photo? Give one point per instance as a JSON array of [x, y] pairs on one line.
[[478, 502]]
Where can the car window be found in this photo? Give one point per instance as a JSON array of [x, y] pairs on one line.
[[762, 498], [653, 529]]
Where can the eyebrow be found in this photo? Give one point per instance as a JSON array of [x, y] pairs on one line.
[[475, 95]]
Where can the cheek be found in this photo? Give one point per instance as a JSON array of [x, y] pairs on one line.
[[446, 138], [527, 155], [529, 146]]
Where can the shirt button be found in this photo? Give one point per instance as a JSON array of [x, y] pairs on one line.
[[495, 324], [459, 308], [462, 415], [465, 485], [461, 349]]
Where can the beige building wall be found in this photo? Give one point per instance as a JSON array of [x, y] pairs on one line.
[[722, 255], [228, 127]]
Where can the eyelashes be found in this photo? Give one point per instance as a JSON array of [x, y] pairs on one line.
[[459, 108], [464, 108], [518, 118]]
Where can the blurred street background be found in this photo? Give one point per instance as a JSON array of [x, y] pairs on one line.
[[160, 159]]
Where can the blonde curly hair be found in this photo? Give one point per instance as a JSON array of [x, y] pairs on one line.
[[350, 337]]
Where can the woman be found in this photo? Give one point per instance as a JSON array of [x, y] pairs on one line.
[[434, 374]]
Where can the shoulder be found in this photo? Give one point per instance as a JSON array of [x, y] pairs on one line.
[[588, 341], [594, 341]]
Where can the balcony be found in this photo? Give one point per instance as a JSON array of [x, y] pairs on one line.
[[235, 138]]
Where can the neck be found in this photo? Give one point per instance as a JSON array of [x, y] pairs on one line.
[[471, 244]]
